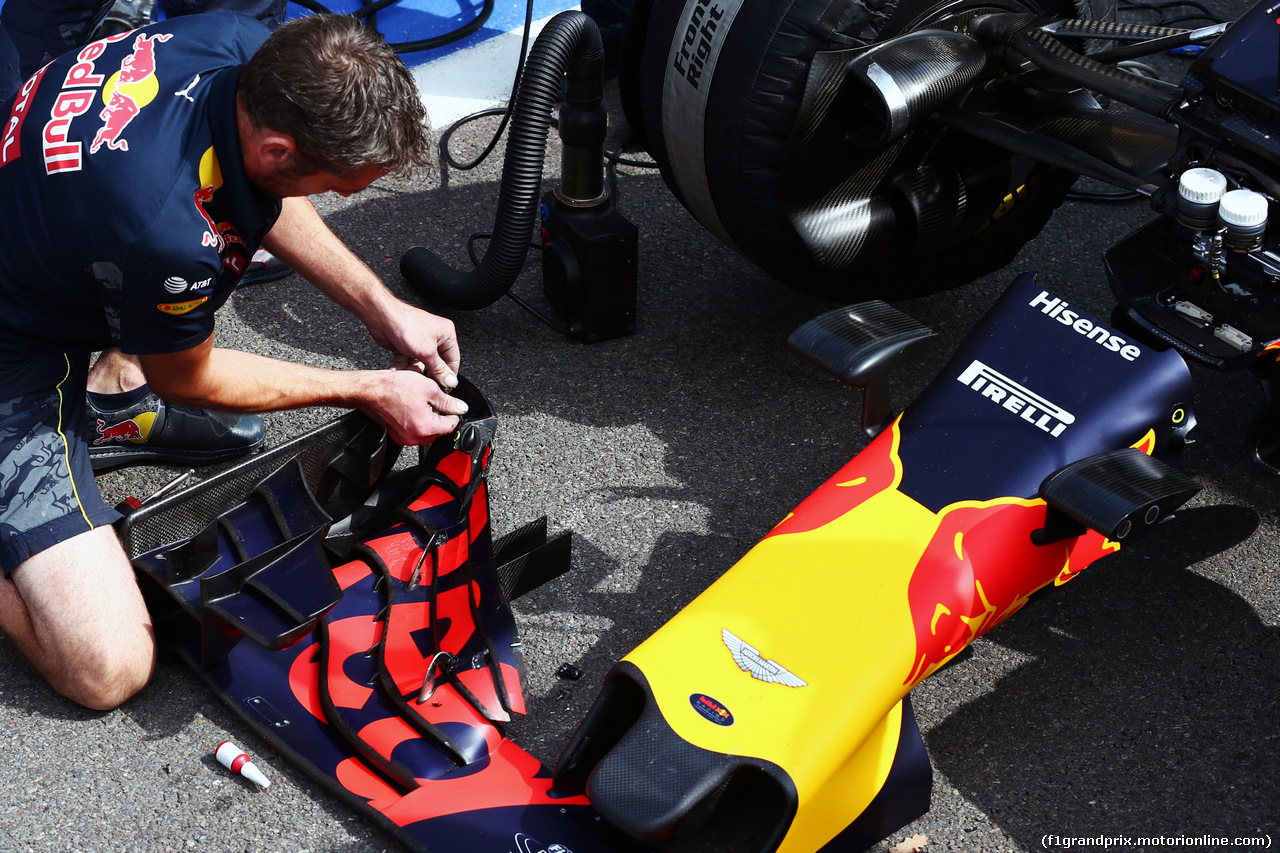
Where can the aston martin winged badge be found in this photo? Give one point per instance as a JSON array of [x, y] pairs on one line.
[[749, 659]]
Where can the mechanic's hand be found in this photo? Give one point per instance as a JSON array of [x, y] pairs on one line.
[[412, 407], [420, 341]]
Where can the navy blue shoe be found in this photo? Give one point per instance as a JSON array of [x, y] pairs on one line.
[[137, 427]]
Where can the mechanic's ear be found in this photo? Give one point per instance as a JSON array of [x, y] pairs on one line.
[[277, 149]]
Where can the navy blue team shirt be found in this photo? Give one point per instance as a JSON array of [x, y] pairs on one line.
[[127, 217]]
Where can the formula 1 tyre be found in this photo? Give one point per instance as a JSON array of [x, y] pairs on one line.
[[743, 106]]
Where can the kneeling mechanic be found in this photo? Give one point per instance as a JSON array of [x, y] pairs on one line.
[[138, 175]]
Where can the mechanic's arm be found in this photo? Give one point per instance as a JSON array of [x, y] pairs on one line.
[[301, 239], [412, 407]]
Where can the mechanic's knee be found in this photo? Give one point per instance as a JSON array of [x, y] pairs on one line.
[[108, 678]]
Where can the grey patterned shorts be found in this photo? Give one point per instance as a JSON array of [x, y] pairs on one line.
[[47, 491]]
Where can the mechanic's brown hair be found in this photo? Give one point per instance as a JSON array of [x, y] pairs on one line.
[[347, 100]]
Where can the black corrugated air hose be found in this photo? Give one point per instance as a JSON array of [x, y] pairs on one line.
[[569, 42]]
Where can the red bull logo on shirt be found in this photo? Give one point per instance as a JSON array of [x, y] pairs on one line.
[[221, 236], [210, 181], [127, 92], [124, 94]]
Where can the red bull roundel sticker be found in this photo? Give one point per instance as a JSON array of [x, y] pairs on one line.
[[711, 709]]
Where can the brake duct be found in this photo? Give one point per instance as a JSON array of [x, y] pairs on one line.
[[897, 84]]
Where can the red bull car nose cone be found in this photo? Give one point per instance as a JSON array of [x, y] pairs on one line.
[[931, 536]]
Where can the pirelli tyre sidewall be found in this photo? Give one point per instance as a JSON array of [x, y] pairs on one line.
[[722, 140]]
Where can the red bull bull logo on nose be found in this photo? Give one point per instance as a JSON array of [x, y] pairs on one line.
[[977, 564], [979, 569], [981, 566], [127, 92]]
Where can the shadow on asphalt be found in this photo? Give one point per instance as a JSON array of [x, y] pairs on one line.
[[1148, 704]]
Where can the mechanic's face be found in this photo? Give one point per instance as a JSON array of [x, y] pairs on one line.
[[279, 185]]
